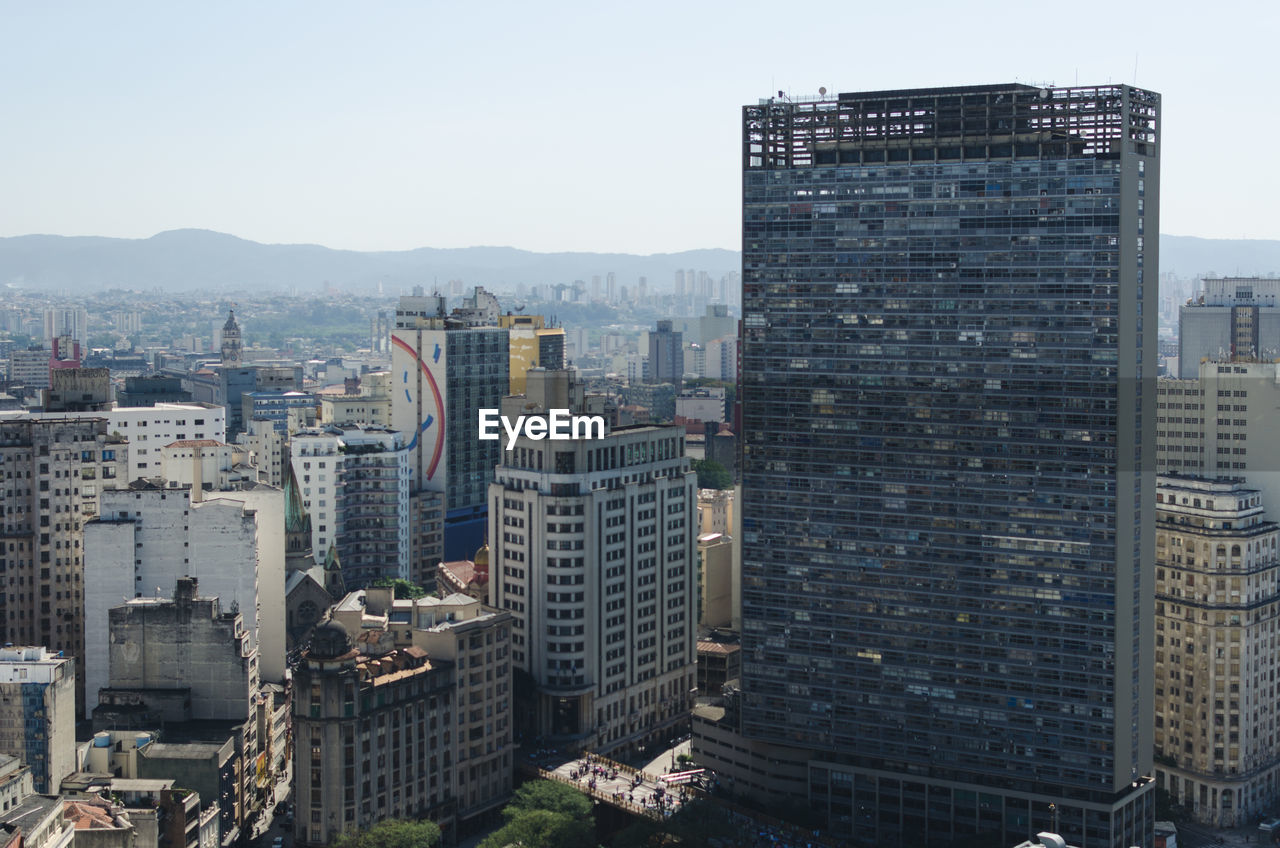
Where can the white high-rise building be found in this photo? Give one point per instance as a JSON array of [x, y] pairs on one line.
[[593, 554], [70, 321], [148, 537], [316, 458]]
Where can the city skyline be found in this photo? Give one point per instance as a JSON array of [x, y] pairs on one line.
[[307, 124]]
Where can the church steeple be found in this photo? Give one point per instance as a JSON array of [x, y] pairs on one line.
[[333, 582], [297, 527], [232, 350]]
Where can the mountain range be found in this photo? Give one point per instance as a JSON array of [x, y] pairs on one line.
[[202, 260]]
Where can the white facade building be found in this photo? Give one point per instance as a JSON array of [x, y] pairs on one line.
[[593, 554], [147, 538], [150, 428], [316, 459]]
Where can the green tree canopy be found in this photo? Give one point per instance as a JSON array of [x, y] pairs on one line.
[[545, 814], [404, 590], [711, 474], [549, 795], [394, 833], [542, 829]]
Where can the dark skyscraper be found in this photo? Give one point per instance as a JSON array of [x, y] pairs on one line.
[[947, 553], [666, 355]]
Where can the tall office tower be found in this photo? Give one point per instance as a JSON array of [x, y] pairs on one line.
[[1233, 318], [445, 372], [1216, 596], [231, 346], [37, 713], [592, 551], [52, 471], [946, 543], [666, 355], [373, 535], [70, 321], [380, 332], [611, 286]]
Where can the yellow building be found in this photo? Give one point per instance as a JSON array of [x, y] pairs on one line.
[[532, 345]]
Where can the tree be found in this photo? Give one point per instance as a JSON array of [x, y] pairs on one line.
[[545, 814], [542, 829], [404, 590], [711, 474], [549, 795], [393, 833]]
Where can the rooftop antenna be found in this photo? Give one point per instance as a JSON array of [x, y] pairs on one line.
[[1135, 68]]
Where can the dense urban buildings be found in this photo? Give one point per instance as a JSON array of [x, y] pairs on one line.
[[946, 540], [1217, 599], [592, 553]]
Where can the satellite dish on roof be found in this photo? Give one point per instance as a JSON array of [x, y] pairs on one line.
[[822, 89]]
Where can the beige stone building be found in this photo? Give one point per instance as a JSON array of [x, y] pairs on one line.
[[459, 633], [1217, 600], [372, 737]]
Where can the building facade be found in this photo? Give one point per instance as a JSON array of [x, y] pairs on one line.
[[52, 473], [373, 541], [475, 641], [592, 553], [1232, 318], [148, 537], [1217, 600], [1222, 425], [445, 372], [666, 356], [371, 738], [946, 552], [38, 713]]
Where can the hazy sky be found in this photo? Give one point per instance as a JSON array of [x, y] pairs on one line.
[[555, 125]]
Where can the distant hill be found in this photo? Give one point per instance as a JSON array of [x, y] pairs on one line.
[[1188, 256], [201, 260]]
